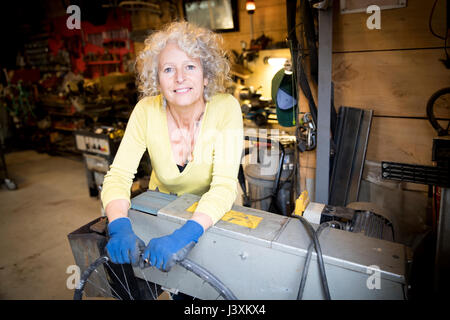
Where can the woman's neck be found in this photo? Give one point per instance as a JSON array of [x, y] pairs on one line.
[[186, 116]]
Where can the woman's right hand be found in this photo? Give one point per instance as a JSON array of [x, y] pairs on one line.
[[123, 246]]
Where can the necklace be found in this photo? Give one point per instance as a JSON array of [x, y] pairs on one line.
[[189, 138]]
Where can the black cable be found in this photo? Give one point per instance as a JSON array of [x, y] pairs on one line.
[[212, 280], [430, 111], [315, 240], [308, 257], [309, 253], [445, 43], [429, 22], [430, 27]]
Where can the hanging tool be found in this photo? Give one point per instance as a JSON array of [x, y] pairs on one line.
[[306, 133]]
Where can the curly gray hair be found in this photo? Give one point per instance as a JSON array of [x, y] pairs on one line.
[[197, 42]]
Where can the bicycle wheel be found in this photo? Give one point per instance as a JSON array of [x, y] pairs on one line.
[[438, 111], [115, 281], [125, 285]]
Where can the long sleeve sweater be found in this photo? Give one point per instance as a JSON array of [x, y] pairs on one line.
[[212, 174]]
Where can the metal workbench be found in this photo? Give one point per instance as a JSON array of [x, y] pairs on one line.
[[260, 255]]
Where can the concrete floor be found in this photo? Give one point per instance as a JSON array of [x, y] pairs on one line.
[[51, 201]]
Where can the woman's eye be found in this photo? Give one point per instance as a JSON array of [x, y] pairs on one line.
[[167, 70], [190, 67]]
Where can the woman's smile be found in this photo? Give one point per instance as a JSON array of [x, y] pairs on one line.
[[181, 78]]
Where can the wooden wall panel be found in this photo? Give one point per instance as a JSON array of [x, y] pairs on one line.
[[394, 83], [400, 140], [392, 71], [400, 28]]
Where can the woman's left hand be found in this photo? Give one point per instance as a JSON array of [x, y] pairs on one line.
[[165, 252]]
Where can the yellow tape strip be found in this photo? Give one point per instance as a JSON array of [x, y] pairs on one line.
[[236, 217], [301, 203]]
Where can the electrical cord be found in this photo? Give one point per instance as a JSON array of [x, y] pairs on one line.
[[429, 22], [441, 131], [430, 27], [188, 264], [315, 240], [212, 280], [308, 257]]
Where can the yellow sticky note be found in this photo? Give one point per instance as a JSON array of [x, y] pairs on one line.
[[236, 217]]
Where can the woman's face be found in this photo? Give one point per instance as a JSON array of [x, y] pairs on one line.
[[180, 77]]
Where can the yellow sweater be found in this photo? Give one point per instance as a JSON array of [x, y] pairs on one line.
[[212, 174]]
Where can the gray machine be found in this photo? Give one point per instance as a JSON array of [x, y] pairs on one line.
[[260, 255]]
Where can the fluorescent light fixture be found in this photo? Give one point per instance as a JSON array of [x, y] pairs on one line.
[[275, 62]]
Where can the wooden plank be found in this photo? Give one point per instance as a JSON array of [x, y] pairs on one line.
[[308, 159], [306, 176], [394, 83], [400, 140], [400, 28]]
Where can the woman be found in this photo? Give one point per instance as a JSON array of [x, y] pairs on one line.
[[193, 134]]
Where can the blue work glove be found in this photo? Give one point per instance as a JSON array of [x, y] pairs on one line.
[[123, 246], [164, 252]]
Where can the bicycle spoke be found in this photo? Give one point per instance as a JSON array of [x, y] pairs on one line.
[[156, 288], [125, 278], [109, 285], [203, 284], [179, 281], [99, 288], [149, 289], [110, 268]]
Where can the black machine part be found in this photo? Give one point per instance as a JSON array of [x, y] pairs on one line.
[[359, 221], [441, 150], [352, 135], [429, 175]]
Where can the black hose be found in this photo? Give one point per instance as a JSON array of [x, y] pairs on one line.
[[212, 280], [308, 260], [315, 240]]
